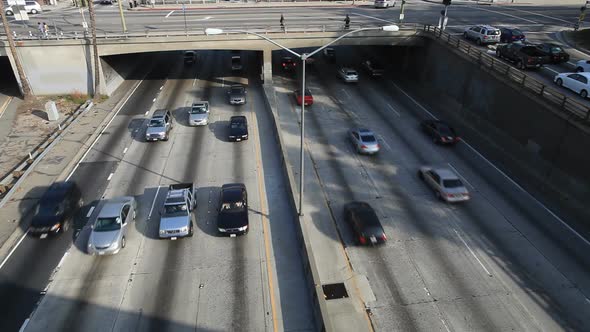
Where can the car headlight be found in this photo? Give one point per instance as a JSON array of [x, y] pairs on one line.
[[222, 230], [162, 134], [241, 229], [90, 246], [54, 227], [162, 232], [184, 229]]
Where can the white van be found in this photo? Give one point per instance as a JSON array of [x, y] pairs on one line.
[[384, 3]]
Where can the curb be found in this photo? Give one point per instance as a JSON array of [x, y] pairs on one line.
[[5, 106]]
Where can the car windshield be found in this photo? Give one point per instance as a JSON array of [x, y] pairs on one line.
[[237, 90], [330, 51], [233, 206], [238, 125], [198, 110], [452, 183], [445, 131], [174, 209], [556, 49], [516, 32], [493, 32], [107, 224], [156, 123], [368, 138], [350, 73]]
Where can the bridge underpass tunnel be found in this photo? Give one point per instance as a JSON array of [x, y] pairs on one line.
[[8, 82]]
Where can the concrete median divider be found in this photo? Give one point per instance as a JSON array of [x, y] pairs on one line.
[[320, 309]]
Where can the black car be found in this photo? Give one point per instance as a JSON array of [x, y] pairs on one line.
[[509, 35], [56, 209], [365, 223], [233, 209], [440, 132], [555, 52], [238, 128], [288, 64]]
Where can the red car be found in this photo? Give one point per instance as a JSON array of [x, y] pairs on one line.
[[308, 97]]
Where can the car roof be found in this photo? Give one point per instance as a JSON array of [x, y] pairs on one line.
[[113, 207], [232, 192], [445, 173], [364, 131], [487, 27], [57, 191], [366, 213], [233, 86], [348, 69], [159, 114], [200, 103]]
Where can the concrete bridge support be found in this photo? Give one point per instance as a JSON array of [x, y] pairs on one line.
[[267, 65]]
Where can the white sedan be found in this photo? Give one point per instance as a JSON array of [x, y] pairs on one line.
[[577, 82], [446, 184]]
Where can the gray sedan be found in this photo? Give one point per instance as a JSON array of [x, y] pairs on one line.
[[446, 184], [237, 94], [109, 230], [198, 115], [364, 140]]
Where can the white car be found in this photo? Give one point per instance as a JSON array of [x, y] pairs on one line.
[[31, 7], [483, 34], [348, 75], [384, 3], [198, 115], [446, 185], [577, 82], [583, 65]]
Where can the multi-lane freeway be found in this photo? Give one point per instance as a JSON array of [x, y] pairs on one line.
[[488, 264]]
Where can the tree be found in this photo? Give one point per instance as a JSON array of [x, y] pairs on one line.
[[24, 82], [95, 91]]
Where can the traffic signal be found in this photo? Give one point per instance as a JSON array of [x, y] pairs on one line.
[[447, 2]]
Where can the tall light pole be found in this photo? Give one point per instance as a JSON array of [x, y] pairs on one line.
[[303, 57], [120, 2]]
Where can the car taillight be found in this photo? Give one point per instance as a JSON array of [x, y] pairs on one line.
[[457, 139], [450, 195], [362, 239], [513, 37], [378, 146], [294, 64], [363, 146], [442, 138], [383, 237], [485, 37]]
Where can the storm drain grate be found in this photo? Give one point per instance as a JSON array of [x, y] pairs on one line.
[[334, 291]]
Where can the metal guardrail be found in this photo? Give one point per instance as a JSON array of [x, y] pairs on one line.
[[154, 33], [9, 181], [560, 100]]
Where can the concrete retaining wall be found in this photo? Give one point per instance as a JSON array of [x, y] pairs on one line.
[[531, 141]]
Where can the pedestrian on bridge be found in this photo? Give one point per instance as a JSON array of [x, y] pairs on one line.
[[45, 29], [41, 28], [282, 22], [346, 22]]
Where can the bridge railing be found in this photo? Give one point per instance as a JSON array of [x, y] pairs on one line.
[[151, 33], [557, 98]]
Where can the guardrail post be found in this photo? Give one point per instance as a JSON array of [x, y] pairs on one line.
[[563, 101], [523, 79], [542, 90], [587, 115], [492, 64], [449, 38], [479, 58]]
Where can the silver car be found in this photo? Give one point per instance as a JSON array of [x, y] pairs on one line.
[[110, 227], [198, 115], [159, 126], [237, 94], [446, 184], [364, 141], [348, 75], [483, 34]]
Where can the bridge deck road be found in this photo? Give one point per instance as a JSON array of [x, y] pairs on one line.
[[206, 282]]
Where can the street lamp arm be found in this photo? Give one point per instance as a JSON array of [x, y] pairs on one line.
[[339, 38], [214, 31]]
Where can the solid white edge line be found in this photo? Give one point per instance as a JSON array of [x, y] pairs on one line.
[[110, 177], [153, 203], [506, 176], [90, 212], [472, 253], [125, 151], [146, 112], [13, 249], [414, 100], [154, 100], [62, 260], [553, 70], [461, 176], [170, 13], [102, 131], [24, 326]]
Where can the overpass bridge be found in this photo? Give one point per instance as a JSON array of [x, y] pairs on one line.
[[63, 64]]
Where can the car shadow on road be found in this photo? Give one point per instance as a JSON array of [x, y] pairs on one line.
[[220, 129]]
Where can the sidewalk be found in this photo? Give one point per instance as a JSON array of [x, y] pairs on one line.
[[248, 4], [513, 2], [55, 165]]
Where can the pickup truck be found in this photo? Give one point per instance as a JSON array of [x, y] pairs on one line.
[[523, 55], [176, 218]]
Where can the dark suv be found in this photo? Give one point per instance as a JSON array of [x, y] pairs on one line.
[[56, 209], [233, 209], [365, 223]]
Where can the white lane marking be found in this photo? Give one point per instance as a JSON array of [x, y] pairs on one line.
[[24, 326], [553, 70], [346, 93], [170, 13], [125, 151], [105, 128], [146, 112], [571, 63], [461, 176], [393, 109], [539, 14], [382, 139], [90, 212], [427, 292], [13, 249], [153, 203], [414, 100], [506, 176], [374, 18], [472, 253], [154, 100], [509, 15], [445, 324], [110, 177], [162, 87], [223, 82], [62, 260], [587, 300]]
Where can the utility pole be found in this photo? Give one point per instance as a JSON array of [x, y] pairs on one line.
[[120, 2], [24, 83], [401, 12], [96, 90], [184, 13], [442, 22]]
